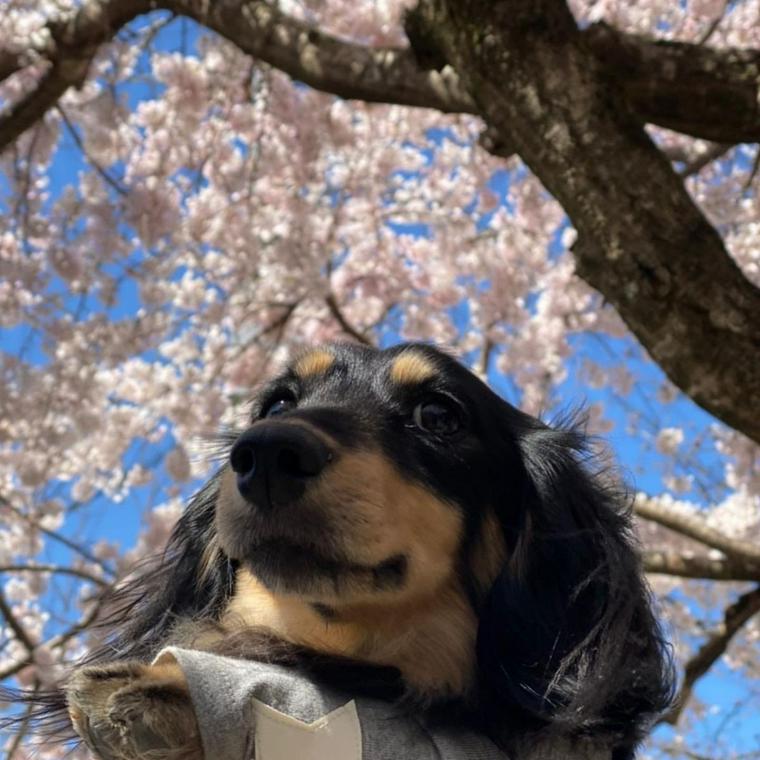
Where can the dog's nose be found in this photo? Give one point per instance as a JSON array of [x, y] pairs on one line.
[[274, 461]]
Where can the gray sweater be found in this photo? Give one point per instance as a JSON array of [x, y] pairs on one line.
[[251, 710]]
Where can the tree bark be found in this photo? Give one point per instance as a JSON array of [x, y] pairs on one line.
[[642, 242]]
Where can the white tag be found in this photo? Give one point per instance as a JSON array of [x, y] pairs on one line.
[[335, 736]]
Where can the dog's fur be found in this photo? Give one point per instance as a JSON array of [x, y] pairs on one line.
[[484, 568]]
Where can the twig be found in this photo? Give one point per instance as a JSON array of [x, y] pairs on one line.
[[59, 538], [84, 575], [14, 625], [695, 165], [753, 171], [713, 25], [345, 325], [735, 616], [111, 181]]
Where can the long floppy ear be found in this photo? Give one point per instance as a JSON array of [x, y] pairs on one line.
[[567, 636], [190, 579]]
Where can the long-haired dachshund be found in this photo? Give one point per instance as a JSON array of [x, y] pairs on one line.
[[386, 522]]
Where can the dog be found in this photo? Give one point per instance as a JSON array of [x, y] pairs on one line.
[[389, 524]]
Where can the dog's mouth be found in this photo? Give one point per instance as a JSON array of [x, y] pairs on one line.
[[293, 568]]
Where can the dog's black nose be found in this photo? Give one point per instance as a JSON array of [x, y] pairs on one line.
[[274, 461]]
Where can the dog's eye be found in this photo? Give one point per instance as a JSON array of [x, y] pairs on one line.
[[278, 406], [438, 416]]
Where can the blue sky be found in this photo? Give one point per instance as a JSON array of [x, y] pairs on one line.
[[640, 464]]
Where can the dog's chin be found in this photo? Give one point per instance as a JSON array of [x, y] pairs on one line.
[[306, 571]]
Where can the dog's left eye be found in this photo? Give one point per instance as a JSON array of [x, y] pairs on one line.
[[437, 416], [278, 406]]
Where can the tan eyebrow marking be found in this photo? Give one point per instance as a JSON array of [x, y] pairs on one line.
[[411, 368], [314, 363]]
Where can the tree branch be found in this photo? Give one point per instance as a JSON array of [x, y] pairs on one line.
[[700, 566], [14, 625], [693, 89], [345, 325], [10, 63], [745, 607], [696, 528], [698, 163], [55, 569], [325, 62], [257, 27], [73, 44], [642, 242]]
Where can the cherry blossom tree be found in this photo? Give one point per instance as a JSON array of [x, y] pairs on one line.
[[564, 193]]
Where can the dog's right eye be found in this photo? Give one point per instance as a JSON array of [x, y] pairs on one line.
[[278, 405]]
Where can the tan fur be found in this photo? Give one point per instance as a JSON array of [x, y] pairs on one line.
[[411, 368], [431, 639], [209, 557], [314, 363], [425, 627], [372, 513], [489, 552]]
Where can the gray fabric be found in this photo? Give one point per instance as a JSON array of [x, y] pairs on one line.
[[222, 691]]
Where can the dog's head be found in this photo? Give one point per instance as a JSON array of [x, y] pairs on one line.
[[371, 476], [391, 497]]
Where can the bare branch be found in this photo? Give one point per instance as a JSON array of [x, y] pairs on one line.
[[59, 640], [57, 570], [689, 88], [713, 27], [700, 566], [696, 165], [73, 545], [696, 528], [345, 325], [325, 62], [745, 607], [107, 178], [14, 625]]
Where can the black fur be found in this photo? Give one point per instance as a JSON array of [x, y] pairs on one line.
[[567, 641]]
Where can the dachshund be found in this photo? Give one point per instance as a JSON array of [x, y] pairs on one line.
[[387, 523]]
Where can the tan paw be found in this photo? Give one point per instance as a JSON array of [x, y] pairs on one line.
[[126, 711]]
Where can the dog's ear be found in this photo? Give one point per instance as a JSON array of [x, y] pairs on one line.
[[190, 579], [567, 634]]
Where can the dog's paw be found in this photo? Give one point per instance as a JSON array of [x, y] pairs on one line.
[[130, 711]]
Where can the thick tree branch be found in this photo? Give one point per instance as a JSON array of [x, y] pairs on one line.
[[745, 607], [325, 62], [696, 528], [697, 90], [700, 566], [73, 42], [642, 242], [10, 63]]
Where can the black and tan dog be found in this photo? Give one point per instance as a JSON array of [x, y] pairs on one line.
[[389, 523]]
